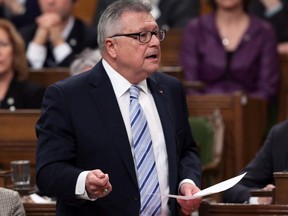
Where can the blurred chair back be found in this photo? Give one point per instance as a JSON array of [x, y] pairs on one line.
[[170, 47], [208, 132], [283, 90]]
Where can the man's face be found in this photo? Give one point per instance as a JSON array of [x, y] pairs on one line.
[[133, 58], [62, 7]]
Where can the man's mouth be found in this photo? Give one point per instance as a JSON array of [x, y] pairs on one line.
[[154, 56]]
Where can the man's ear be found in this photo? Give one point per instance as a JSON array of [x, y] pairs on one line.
[[111, 45]]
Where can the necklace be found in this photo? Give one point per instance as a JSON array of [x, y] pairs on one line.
[[225, 41]]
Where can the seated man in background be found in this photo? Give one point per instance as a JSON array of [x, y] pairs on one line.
[[57, 36], [275, 12], [168, 13], [271, 158], [10, 203], [19, 12]]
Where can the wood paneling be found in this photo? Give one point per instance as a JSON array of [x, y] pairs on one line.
[[18, 138], [222, 209]]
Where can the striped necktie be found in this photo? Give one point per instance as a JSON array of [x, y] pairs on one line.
[[144, 158]]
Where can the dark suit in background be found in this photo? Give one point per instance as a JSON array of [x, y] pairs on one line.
[[272, 157], [23, 95], [31, 11], [80, 37], [279, 20], [174, 13]]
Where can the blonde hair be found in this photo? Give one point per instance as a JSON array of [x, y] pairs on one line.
[[20, 63]]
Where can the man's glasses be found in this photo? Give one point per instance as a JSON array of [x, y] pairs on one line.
[[145, 37]]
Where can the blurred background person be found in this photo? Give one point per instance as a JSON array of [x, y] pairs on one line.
[[272, 157], [16, 92], [19, 12], [10, 203], [168, 13], [275, 12], [231, 51], [85, 61], [56, 36]]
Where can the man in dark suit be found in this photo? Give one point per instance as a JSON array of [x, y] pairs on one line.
[[56, 36], [85, 153], [20, 13], [168, 13], [272, 157], [275, 12]]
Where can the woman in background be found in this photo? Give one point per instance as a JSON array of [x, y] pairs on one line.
[[230, 51], [16, 91]]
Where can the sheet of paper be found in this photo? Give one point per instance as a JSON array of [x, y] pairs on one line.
[[222, 186], [38, 199]]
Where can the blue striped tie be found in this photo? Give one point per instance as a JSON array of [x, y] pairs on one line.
[[144, 158]]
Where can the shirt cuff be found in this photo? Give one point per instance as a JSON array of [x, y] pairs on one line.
[[80, 191], [274, 10], [61, 51], [36, 55], [185, 181], [253, 200]]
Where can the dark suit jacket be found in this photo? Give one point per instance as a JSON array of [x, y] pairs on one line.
[[174, 13], [279, 20], [272, 157], [23, 95], [31, 12], [81, 128], [80, 37]]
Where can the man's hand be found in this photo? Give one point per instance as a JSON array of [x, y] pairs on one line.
[[189, 206], [97, 184], [266, 200], [49, 28]]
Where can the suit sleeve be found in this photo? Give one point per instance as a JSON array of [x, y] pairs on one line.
[[259, 173], [56, 149]]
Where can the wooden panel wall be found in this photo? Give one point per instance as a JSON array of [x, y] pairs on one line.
[[85, 10]]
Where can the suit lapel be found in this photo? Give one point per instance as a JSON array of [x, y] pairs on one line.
[[106, 103], [160, 95]]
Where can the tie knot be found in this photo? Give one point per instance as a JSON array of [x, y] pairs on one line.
[[134, 92]]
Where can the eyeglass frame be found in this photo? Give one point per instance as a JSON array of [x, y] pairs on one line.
[[138, 35]]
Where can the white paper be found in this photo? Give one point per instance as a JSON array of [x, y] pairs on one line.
[[38, 199], [222, 186]]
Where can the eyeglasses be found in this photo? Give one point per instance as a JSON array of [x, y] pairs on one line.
[[145, 37]]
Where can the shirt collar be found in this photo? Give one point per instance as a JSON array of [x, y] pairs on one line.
[[119, 83], [68, 28]]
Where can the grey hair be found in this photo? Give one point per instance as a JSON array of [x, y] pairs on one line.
[[86, 59], [110, 23]]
